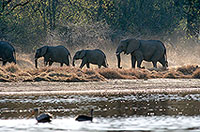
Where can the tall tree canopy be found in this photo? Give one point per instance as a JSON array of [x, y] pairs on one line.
[[27, 22]]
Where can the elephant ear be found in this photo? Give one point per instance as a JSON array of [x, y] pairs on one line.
[[82, 54], [43, 50], [132, 45]]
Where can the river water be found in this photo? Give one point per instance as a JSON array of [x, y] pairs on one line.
[[136, 112]]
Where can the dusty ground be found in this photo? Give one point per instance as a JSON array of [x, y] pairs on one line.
[[102, 87]]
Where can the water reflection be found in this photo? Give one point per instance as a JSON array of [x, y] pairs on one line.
[[135, 123], [141, 112], [105, 106]]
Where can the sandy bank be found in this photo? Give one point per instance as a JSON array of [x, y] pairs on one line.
[[116, 86]]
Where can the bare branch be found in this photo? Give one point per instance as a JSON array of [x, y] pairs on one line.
[[20, 4], [5, 3]]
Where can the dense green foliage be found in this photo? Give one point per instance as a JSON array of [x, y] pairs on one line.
[[27, 23]]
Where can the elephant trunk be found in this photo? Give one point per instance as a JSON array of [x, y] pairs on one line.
[[118, 60], [36, 62]]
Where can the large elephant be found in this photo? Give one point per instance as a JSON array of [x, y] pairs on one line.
[[95, 56], [53, 54], [7, 53], [149, 50]]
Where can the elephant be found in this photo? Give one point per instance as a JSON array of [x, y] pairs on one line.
[[52, 54], [95, 56], [149, 50], [7, 53]]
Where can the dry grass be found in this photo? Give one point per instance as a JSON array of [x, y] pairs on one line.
[[187, 70], [196, 74], [24, 71], [112, 74], [17, 73], [12, 68]]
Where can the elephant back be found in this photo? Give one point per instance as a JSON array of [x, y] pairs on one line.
[[94, 56], [62, 49], [152, 49], [153, 43], [58, 53], [101, 52], [5, 46]]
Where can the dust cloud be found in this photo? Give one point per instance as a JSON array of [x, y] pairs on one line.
[[183, 59]]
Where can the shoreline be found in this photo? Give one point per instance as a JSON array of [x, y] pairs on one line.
[[110, 87]]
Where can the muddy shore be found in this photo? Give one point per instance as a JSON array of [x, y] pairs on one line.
[[116, 86]]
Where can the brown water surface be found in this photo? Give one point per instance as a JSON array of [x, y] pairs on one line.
[[119, 105]]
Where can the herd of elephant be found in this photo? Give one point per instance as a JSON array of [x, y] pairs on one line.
[[149, 50]]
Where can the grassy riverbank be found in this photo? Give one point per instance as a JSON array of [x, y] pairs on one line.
[[16, 73]]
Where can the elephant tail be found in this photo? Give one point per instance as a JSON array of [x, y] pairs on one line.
[[14, 54], [106, 62], [165, 55]]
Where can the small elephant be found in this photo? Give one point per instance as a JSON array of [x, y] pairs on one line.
[[7, 53], [95, 56], [149, 50], [52, 54]]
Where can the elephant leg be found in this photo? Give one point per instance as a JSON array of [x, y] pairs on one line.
[[139, 58], [45, 63], [50, 63], [82, 64], [104, 64], [155, 58], [154, 64], [4, 63], [139, 62], [163, 62], [133, 61], [67, 62], [99, 66], [46, 60], [88, 65]]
